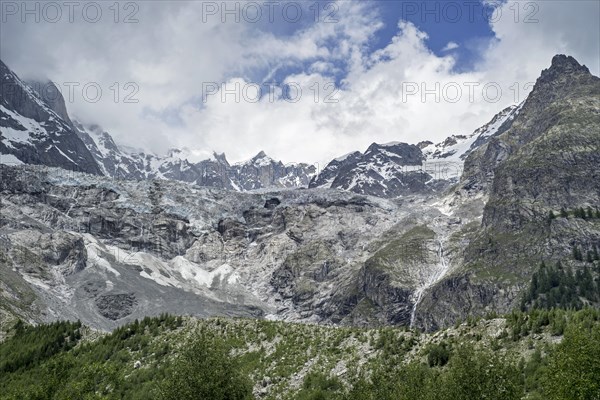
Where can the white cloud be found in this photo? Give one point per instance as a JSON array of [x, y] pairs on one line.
[[527, 41], [170, 53], [370, 108], [451, 46]]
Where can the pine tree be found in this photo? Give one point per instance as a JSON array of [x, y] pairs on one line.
[[590, 213], [587, 287], [577, 254], [564, 213], [570, 279], [551, 215], [543, 284]]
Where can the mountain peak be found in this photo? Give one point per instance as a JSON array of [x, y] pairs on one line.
[[565, 62], [424, 144], [563, 65], [177, 153], [390, 146], [261, 154], [261, 159], [50, 94], [220, 158]]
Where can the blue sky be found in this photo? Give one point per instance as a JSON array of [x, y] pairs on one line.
[[443, 24], [466, 24]]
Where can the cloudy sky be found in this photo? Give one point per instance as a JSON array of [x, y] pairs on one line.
[[302, 80]]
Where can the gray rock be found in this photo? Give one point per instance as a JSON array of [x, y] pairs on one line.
[[38, 134]]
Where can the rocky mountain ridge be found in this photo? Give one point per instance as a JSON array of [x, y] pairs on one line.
[[546, 162], [397, 169], [385, 170], [33, 133], [107, 250], [36, 129]]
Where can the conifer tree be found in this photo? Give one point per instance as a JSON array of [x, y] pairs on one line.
[[577, 254]]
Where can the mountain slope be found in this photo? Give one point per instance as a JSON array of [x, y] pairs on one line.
[[548, 160], [33, 133], [425, 259], [275, 360], [457, 147]]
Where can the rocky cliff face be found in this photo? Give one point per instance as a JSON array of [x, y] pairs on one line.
[[565, 94], [547, 160], [553, 149], [107, 251], [32, 132], [261, 171], [52, 97]]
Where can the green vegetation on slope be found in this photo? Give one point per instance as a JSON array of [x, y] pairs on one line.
[[558, 286], [408, 249], [519, 356]]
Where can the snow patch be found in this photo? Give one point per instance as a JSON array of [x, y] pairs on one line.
[[192, 271], [95, 252], [10, 159]]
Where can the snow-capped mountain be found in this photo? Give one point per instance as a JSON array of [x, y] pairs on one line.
[[112, 161], [457, 147], [384, 170], [36, 129], [260, 172], [393, 169], [125, 163], [32, 132]]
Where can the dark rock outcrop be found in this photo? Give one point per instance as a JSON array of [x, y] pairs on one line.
[[34, 133]]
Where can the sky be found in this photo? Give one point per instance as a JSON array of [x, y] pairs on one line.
[[302, 80]]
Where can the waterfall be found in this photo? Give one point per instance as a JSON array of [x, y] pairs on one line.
[[438, 273]]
